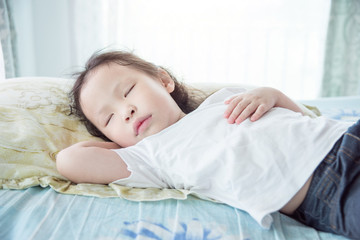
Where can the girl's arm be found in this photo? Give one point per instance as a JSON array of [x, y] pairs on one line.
[[256, 103], [91, 162]]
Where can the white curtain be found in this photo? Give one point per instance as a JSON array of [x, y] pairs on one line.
[[7, 37], [277, 43]]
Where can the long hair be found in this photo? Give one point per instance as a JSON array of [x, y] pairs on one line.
[[187, 98]]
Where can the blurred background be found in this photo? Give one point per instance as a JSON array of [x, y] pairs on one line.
[[305, 48]]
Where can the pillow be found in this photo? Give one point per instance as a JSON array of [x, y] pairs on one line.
[[36, 125]]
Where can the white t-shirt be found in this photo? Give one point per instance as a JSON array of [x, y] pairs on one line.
[[254, 166]]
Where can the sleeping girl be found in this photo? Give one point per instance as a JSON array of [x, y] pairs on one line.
[[253, 150]]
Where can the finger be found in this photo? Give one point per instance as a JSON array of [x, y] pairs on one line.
[[236, 112], [246, 113], [229, 100], [260, 111], [232, 105]]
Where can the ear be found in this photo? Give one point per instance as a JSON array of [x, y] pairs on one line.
[[166, 80]]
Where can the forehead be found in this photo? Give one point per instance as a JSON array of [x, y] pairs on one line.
[[106, 75], [110, 72], [105, 79], [98, 84]]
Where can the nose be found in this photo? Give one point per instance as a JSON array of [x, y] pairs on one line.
[[130, 111]]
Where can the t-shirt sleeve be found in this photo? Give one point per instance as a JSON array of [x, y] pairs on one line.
[[142, 175]]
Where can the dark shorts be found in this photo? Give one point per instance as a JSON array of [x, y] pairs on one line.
[[332, 203]]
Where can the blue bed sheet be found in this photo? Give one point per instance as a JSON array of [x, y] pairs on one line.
[[340, 108], [38, 213]]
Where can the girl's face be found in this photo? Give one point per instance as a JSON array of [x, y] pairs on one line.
[[127, 105]]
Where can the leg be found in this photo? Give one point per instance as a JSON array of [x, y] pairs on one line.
[[351, 210], [348, 214]]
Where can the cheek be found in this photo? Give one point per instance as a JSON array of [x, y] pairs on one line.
[[120, 135], [160, 101], [155, 93]]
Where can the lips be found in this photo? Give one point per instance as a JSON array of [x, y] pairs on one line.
[[141, 124]]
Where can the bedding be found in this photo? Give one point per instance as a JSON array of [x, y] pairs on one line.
[[37, 213], [35, 125]]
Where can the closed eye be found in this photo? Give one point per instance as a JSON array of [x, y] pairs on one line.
[[127, 93], [109, 119]]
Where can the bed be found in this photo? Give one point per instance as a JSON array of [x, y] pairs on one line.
[[38, 203]]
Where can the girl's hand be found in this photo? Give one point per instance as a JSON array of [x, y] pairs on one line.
[[253, 104], [256, 103]]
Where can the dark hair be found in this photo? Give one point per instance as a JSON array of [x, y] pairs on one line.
[[187, 98]]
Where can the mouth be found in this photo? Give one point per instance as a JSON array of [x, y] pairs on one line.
[[141, 124]]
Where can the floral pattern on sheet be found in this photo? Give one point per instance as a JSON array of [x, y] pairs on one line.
[[192, 230], [350, 115]]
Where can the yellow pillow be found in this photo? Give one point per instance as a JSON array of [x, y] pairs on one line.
[[35, 125]]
